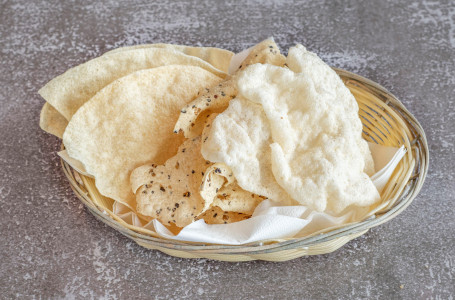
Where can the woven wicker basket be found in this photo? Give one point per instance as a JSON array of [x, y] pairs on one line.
[[385, 121]]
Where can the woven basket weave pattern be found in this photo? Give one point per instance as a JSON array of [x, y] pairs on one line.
[[385, 121]]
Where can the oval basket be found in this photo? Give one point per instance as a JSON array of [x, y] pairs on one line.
[[385, 121]]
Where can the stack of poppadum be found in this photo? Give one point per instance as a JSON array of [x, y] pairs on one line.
[[165, 131]]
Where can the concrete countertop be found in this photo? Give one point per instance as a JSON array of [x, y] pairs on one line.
[[52, 247]]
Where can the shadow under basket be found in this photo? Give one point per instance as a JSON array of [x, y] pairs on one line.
[[385, 121]]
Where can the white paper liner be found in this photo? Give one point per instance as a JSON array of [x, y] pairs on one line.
[[271, 220]]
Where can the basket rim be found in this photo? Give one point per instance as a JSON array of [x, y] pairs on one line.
[[412, 188]]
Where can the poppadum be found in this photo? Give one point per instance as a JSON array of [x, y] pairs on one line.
[[69, 91], [52, 121], [129, 123], [216, 99], [307, 125], [233, 198], [170, 192], [215, 215], [219, 58]]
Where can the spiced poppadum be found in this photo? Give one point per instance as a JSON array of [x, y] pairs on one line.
[[215, 215], [170, 192]]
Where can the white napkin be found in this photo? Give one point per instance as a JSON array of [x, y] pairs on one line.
[[271, 220]]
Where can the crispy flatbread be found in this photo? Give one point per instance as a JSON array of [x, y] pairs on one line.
[[129, 123], [69, 91]]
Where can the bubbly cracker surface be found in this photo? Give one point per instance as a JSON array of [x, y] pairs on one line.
[[219, 58], [129, 123], [240, 138], [309, 120]]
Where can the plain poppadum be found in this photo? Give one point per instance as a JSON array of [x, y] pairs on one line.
[[69, 91], [219, 58], [52, 121], [129, 123]]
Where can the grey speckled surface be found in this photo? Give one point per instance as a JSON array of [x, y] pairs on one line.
[[50, 246]]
